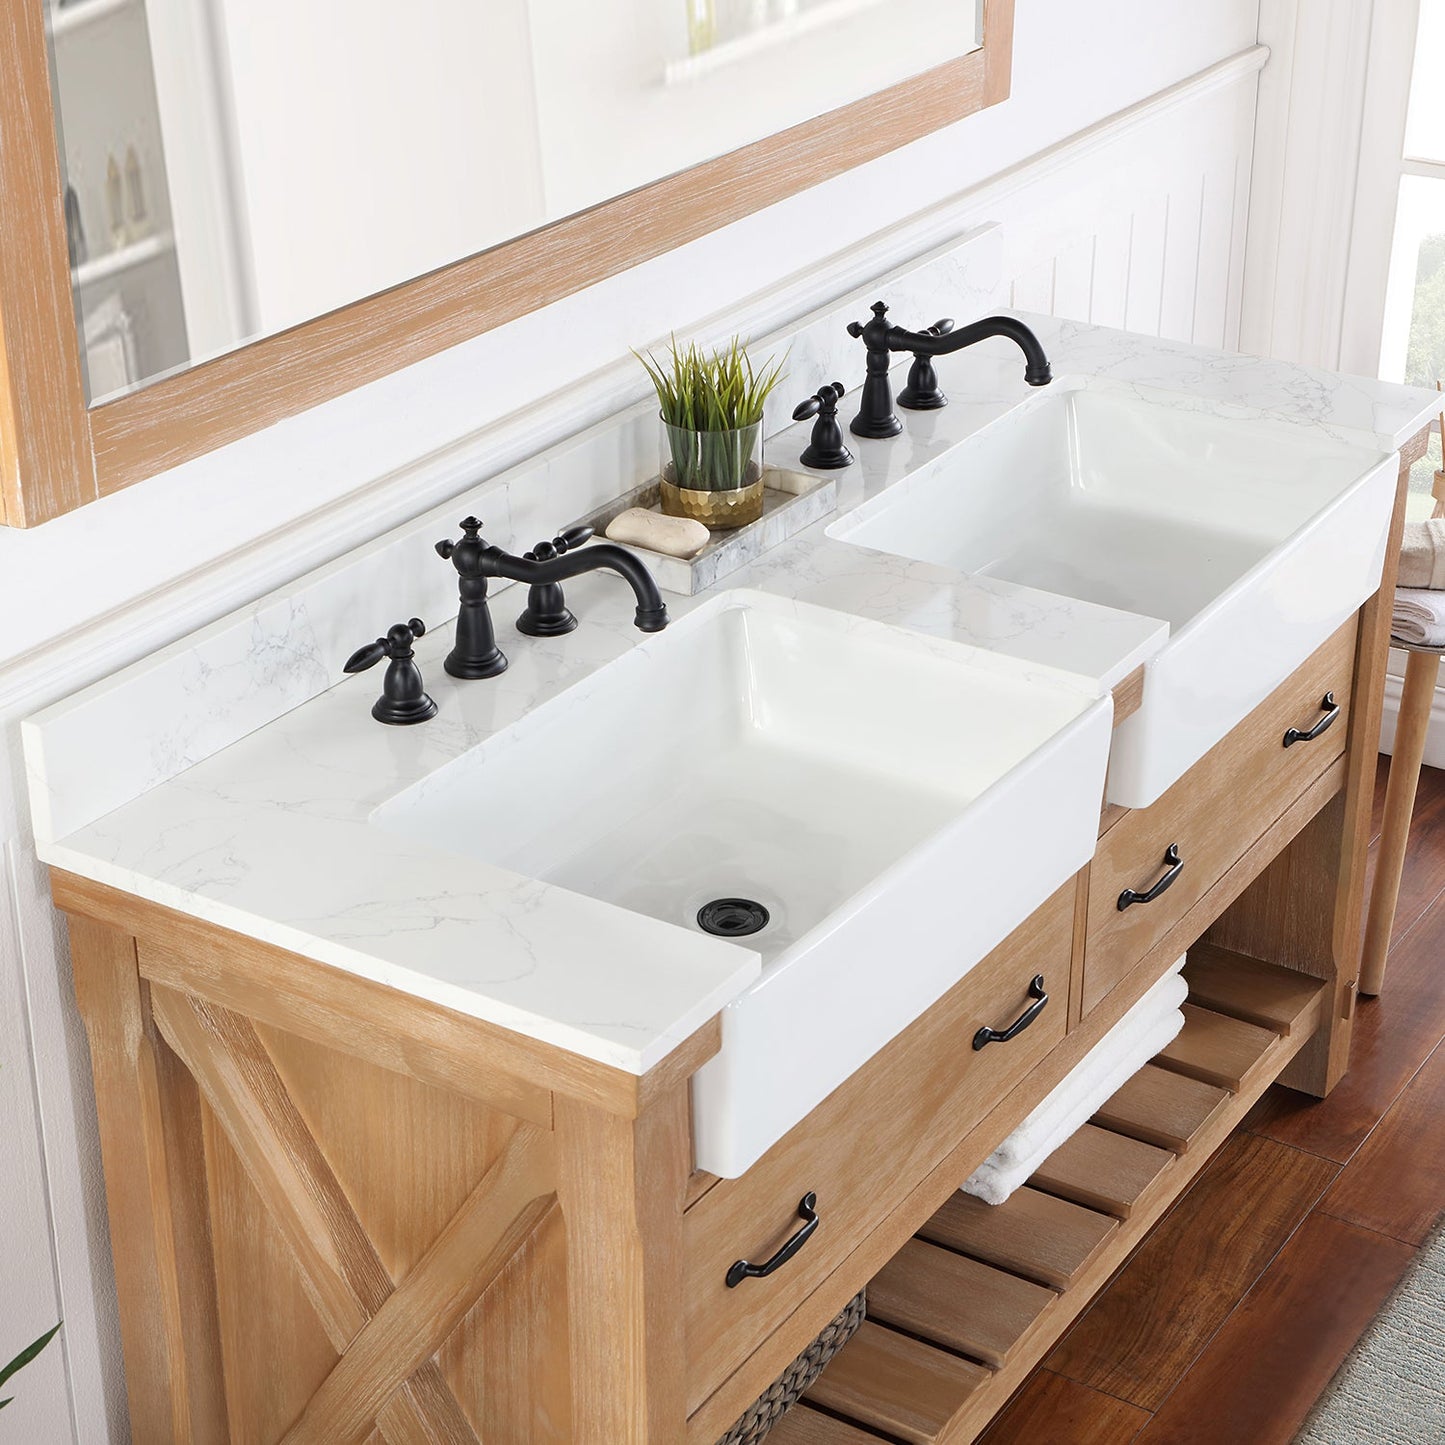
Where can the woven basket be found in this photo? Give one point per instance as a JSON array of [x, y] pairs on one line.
[[797, 1379]]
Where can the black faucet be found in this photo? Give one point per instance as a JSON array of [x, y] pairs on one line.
[[476, 653], [876, 417]]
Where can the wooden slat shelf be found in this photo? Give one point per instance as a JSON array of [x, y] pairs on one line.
[[1162, 1108], [958, 1318], [1032, 1234]]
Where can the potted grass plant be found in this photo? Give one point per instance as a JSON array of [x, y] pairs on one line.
[[711, 405]]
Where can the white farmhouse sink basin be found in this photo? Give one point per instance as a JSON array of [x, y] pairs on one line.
[[1252, 538], [897, 804]]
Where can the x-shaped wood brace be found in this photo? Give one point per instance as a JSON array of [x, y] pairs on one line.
[[386, 1332]]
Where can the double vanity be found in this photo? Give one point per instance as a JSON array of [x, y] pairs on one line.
[[559, 1069]]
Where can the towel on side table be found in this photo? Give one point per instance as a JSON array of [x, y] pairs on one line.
[[1150, 1026], [1422, 554], [1419, 616]]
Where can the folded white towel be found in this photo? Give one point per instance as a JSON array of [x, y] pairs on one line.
[[1151, 1025], [1419, 616], [1422, 552]]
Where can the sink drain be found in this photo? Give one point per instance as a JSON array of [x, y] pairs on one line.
[[732, 917]]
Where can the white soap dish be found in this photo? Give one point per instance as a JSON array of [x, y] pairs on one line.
[[792, 500]]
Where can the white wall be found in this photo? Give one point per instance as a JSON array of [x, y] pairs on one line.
[[1139, 222]]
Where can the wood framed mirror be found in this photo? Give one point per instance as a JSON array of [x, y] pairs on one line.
[[58, 451]]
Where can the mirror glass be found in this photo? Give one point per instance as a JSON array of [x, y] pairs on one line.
[[236, 167]]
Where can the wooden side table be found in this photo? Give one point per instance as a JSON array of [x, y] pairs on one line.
[[1422, 671]]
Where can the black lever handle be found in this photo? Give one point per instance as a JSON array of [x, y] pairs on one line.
[[1332, 711], [825, 447], [403, 698], [808, 1213], [1039, 994], [1175, 865], [941, 327]]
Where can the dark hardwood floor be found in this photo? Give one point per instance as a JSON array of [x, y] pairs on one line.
[[1230, 1319]]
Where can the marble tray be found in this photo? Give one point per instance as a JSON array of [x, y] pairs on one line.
[[791, 501]]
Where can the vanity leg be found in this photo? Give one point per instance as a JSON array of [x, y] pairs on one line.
[[622, 1184], [1422, 672], [155, 1182]]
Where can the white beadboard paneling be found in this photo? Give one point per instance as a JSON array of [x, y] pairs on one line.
[[1110, 294], [1080, 195], [1181, 258], [1074, 279], [1146, 263]]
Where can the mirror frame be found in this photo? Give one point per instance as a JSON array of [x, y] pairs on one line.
[[57, 453]]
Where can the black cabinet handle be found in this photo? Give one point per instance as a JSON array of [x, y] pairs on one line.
[[1332, 711], [1175, 865], [1001, 1036], [808, 1213]]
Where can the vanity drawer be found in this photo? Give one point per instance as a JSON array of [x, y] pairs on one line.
[[1209, 819], [865, 1147]]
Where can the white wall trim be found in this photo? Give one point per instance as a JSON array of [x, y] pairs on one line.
[[277, 558]]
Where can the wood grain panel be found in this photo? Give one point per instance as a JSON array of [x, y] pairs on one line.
[[1031, 1234], [169, 1331], [1395, 1034], [1145, 1329], [802, 1426], [1100, 1170], [1162, 1108], [1215, 1048], [955, 1301], [46, 466], [1263, 1371], [898, 1385], [1050, 1408], [1396, 1183]]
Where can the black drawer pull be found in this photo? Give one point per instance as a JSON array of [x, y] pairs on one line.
[[1001, 1036], [1332, 711], [808, 1213], [1175, 865]]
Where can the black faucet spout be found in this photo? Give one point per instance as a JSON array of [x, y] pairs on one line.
[[651, 613], [876, 417], [1037, 371]]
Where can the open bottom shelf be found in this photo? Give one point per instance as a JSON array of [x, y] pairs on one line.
[[958, 1318]]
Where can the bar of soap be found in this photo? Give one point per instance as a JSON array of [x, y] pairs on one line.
[[672, 536]]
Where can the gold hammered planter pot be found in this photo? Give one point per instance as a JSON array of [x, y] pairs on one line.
[[720, 510]]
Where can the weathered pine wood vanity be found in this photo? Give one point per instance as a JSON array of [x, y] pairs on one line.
[[342, 1213]]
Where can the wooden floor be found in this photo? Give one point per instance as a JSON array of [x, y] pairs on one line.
[[1233, 1315]]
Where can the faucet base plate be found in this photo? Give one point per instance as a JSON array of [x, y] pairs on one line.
[[475, 667]]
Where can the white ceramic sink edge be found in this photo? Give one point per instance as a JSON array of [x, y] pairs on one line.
[[794, 1036], [897, 803], [1298, 597], [1250, 537]]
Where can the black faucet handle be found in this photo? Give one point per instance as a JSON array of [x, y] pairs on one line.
[[879, 310], [396, 644], [825, 448], [567, 541], [471, 539], [824, 400], [941, 327], [403, 697]]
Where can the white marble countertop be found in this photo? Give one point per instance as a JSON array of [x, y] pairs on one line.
[[270, 837]]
